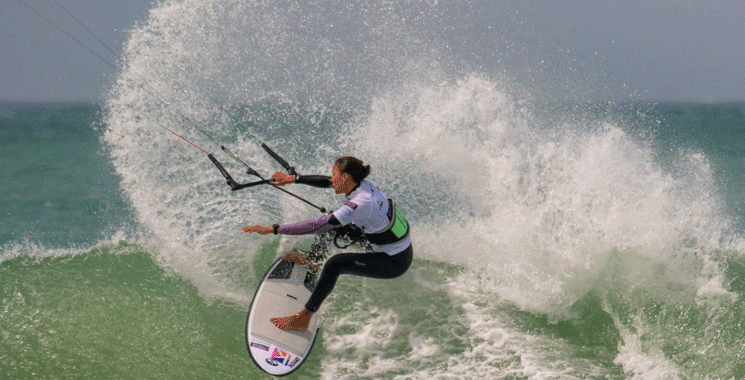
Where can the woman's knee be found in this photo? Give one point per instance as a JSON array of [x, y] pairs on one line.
[[336, 264]]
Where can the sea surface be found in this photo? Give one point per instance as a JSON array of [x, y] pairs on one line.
[[590, 254], [553, 238]]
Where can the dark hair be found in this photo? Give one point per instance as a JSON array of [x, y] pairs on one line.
[[354, 167]]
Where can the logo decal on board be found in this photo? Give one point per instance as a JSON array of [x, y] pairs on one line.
[[281, 357], [294, 361], [259, 344]]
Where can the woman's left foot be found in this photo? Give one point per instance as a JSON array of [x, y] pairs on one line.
[[302, 258]]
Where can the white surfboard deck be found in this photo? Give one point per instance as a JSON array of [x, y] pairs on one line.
[[283, 291]]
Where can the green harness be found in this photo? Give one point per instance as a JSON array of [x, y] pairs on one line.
[[396, 231]]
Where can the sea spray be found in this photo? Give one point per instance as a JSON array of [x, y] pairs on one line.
[[544, 216], [546, 221]]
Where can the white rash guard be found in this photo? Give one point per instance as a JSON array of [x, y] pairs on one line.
[[368, 208]]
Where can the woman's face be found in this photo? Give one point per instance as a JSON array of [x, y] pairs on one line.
[[341, 182]]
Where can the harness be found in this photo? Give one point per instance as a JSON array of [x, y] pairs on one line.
[[396, 231]]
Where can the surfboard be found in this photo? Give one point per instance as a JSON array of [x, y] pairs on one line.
[[283, 291]]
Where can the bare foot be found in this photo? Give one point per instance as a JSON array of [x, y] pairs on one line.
[[298, 322], [298, 257]]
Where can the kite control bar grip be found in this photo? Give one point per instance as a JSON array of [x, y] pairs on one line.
[[279, 159], [231, 182]]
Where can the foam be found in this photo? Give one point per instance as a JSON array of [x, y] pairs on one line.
[[12, 250], [644, 364]]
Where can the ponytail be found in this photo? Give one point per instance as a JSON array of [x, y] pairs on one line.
[[354, 167]]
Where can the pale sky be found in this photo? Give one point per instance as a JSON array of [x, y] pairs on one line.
[[691, 50], [39, 63]]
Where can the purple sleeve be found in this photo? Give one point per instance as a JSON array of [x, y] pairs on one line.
[[313, 226]]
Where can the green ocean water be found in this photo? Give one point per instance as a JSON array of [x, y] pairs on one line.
[[112, 313], [86, 293]]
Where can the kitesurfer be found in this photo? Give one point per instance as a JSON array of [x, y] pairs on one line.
[[368, 208]]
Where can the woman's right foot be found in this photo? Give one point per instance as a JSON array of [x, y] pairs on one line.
[[298, 322]]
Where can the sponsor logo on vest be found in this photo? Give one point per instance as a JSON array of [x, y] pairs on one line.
[[351, 205]]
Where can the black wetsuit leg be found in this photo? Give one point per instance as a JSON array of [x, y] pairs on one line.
[[372, 265]]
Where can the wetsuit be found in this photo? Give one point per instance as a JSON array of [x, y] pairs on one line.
[[385, 227]]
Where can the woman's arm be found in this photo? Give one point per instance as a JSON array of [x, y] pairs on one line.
[[314, 226], [314, 180], [281, 179]]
